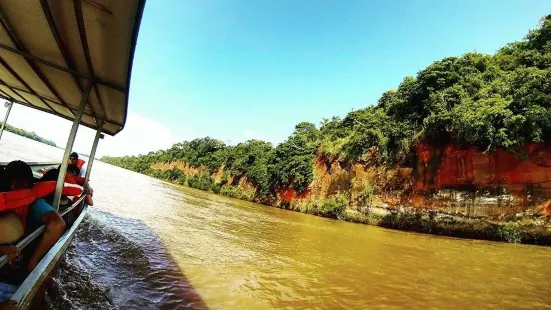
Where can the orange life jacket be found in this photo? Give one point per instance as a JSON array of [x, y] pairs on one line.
[[80, 163], [18, 201]]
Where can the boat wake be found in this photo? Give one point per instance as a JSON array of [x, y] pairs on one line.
[[71, 288], [116, 262]]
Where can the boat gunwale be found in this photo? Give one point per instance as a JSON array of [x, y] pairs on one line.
[[37, 232], [25, 294]]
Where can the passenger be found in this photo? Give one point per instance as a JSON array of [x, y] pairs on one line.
[[11, 228], [19, 176], [75, 170], [51, 175], [76, 166]]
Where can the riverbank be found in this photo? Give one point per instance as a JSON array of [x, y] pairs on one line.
[[509, 202], [527, 231], [29, 135], [524, 227]]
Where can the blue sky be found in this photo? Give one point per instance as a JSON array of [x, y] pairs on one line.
[[240, 69], [235, 69]]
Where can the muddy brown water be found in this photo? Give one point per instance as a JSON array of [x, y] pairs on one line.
[[147, 244]]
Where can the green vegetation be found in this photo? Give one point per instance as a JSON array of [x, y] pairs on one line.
[[501, 100], [510, 232], [236, 192], [332, 207], [31, 135], [201, 181], [365, 198]]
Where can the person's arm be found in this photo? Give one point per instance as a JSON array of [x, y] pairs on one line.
[[41, 212], [89, 196], [10, 250]]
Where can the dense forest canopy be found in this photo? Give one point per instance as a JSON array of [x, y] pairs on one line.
[[31, 135], [501, 100]]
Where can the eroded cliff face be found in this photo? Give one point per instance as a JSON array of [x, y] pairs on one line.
[[177, 165], [449, 179], [469, 181]]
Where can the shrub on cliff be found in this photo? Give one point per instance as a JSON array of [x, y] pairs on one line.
[[159, 174], [176, 175], [334, 206], [365, 198], [237, 192], [510, 232], [201, 181]]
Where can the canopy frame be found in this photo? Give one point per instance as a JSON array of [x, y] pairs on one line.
[[4, 124], [92, 156], [68, 148], [73, 72]]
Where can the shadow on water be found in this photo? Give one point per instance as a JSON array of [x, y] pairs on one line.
[[119, 263]]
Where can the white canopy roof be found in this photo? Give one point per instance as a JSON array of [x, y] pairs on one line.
[[51, 49]]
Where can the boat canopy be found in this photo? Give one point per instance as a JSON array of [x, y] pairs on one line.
[[53, 52]]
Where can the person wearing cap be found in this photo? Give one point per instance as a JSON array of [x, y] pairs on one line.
[[76, 166]]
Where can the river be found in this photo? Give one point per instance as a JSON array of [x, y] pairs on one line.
[[147, 244]]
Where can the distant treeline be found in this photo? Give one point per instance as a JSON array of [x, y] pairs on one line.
[[31, 135], [500, 100]]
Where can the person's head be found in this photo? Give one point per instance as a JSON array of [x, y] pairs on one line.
[[19, 175], [73, 158]]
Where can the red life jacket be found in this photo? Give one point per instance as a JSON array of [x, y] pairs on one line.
[[80, 163], [69, 178], [18, 201], [78, 179]]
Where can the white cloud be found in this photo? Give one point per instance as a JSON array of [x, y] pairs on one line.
[[140, 135]]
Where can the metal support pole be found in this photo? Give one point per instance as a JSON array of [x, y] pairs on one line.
[[93, 153], [7, 105], [69, 146]]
